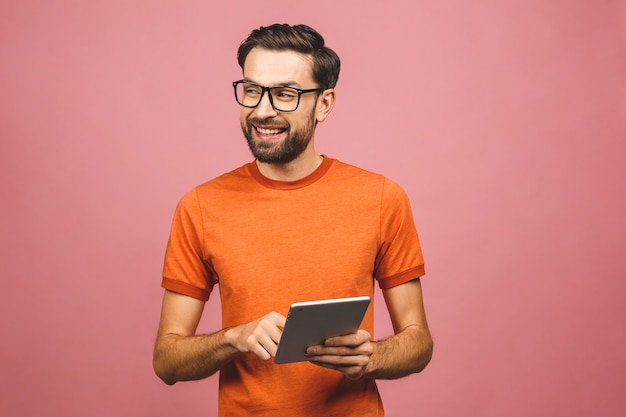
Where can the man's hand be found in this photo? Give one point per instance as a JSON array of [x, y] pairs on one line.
[[260, 337], [349, 354]]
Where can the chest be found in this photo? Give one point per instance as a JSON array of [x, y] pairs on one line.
[[269, 252]]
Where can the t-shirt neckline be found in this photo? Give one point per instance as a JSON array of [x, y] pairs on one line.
[[290, 185]]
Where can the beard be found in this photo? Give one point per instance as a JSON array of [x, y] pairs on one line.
[[282, 152]]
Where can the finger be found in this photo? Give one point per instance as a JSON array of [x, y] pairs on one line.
[[263, 340], [277, 319], [261, 352], [352, 372], [267, 342], [340, 360], [354, 339], [270, 344], [334, 351]]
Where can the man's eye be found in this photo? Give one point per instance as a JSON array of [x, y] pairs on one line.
[[286, 94]]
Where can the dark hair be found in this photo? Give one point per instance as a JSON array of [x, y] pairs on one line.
[[299, 38]]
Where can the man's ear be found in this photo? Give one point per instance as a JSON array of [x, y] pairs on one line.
[[325, 104]]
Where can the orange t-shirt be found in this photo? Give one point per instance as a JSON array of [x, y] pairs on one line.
[[269, 244]]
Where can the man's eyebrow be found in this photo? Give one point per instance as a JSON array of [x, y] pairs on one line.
[[293, 84], [289, 84]]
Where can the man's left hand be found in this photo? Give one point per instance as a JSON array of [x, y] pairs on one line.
[[349, 354]]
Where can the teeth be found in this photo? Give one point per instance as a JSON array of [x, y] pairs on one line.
[[267, 132]]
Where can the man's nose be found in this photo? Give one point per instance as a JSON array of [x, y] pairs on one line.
[[265, 108]]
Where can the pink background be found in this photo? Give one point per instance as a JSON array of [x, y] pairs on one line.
[[505, 121]]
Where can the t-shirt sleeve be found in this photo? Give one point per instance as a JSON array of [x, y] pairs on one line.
[[400, 258], [185, 270]]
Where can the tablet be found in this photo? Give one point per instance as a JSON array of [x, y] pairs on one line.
[[312, 322]]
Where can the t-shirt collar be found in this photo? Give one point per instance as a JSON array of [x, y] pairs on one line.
[[290, 185]]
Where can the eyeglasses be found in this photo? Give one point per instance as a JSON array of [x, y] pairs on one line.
[[285, 99]]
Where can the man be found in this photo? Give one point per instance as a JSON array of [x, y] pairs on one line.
[[291, 226]]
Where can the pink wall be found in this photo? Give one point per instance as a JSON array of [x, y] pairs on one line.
[[504, 121]]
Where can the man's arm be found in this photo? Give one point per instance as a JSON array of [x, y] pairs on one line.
[[181, 355], [411, 347], [408, 351]]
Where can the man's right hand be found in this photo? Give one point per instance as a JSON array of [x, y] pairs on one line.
[[260, 337], [181, 355]]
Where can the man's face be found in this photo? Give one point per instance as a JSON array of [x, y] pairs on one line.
[[274, 136]]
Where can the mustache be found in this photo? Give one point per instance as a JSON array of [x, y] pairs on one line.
[[267, 122]]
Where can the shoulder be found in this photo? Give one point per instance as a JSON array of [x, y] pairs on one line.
[[227, 180], [211, 192], [357, 176], [352, 173], [339, 166], [232, 180]]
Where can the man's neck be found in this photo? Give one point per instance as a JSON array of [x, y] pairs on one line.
[[302, 166]]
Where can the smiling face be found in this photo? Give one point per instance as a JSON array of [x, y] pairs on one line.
[[274, 136]]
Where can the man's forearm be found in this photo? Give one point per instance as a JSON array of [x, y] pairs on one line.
[[187, 358], [407, 352]]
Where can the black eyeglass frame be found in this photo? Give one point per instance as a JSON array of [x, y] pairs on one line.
[[269, 94]]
